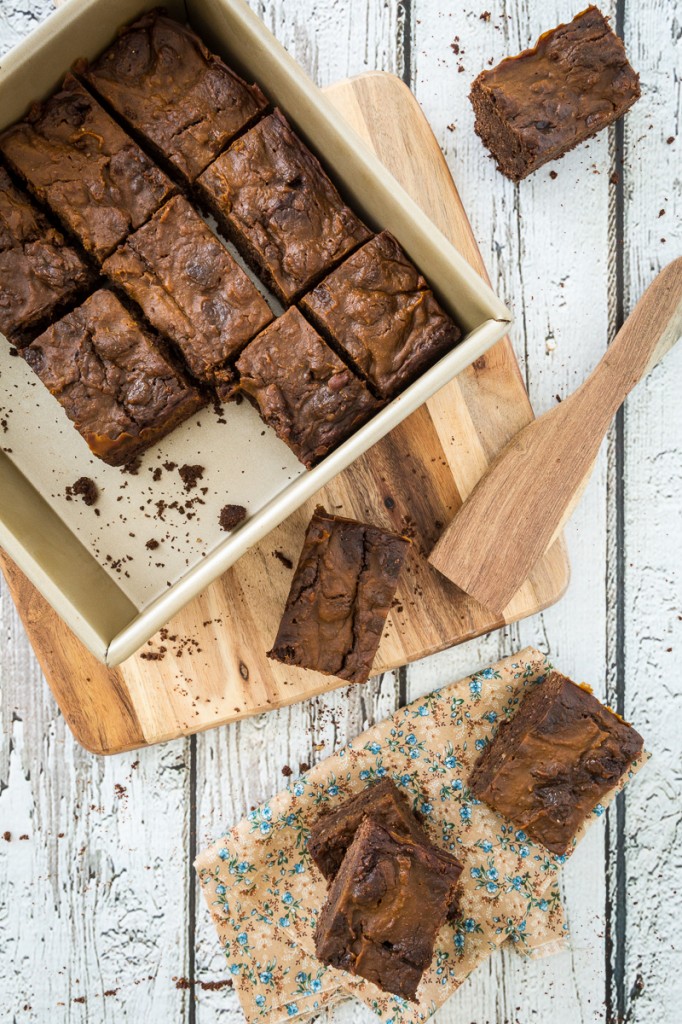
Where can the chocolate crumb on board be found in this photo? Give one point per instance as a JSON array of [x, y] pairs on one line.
[[281, 557], [190, 476], [152, 544], [485, 16], [287, 771], [15, 351], [231, 516], [303, 767]]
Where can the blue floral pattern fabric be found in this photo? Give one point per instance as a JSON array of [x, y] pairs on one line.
[[265, 893]]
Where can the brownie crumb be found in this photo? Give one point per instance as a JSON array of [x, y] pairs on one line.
[[670, 140], [287, 771], [15, 351], [157, 474], [231, 516], [132, 468], [190, 476], [281, 557], [553, 175], [614, 178], [485, 16], [84, 488], [303, 768], [7, 836], [170, 466], [152, 544]]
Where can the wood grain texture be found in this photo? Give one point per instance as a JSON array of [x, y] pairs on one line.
[[525, 498], [551, 247], [210, 667]]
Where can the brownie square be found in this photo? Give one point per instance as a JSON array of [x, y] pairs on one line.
[[340, 597], [302, 389], [385, 908], [39, 273], [547, 767], [380, 311], [272, 198], [332, 833], [183, 100], [119, 390], [536, 106], [72, 156], [189, 287]]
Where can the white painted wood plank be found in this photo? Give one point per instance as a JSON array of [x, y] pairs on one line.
[[552, 267], [652, 962]]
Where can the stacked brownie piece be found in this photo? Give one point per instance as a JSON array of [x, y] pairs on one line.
[[390, 889], [117, 157]]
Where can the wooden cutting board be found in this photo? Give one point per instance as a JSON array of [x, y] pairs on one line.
[[209, 666]]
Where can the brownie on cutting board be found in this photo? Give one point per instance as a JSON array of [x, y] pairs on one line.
[[189, 287], [536, 106], [340, 597], [274, 201], [39, 273], [111, 378], [73, 157], [385, 908], [163, 82], [548, 767], [379, 310], [302, 389]]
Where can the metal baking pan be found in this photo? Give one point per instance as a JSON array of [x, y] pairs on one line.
[[96, 570]]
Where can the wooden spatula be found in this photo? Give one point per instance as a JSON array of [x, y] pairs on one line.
[[521, 504]]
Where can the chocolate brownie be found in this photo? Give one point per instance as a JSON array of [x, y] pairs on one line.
[[332, 833], [183, 100], [536, 106], [39, 273], [189, 287], [385, 908], [72, 156], [302, 389], [272, 198], [548, 767], [340, 597], [380, 311], [111, 379]]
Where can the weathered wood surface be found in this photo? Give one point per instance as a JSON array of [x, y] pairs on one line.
[[110, 906]]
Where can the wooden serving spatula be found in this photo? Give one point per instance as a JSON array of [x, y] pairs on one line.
[[521, 504]]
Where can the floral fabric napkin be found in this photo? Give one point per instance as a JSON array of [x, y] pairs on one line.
[[264, 892]]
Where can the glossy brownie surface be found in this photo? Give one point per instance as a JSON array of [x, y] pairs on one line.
[[190, 287], [340, 597], [302, 389], [551, 763], [75, 158], [385, 908], [164, 82], [39, 272], [379, 309], [280, 208], [332, 833], [534, 107], [119, 390]]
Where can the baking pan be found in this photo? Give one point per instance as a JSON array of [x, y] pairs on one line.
[[100, 572]]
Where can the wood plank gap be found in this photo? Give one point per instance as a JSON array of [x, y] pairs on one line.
[[192, 882], [404, 40], [616, 877]]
